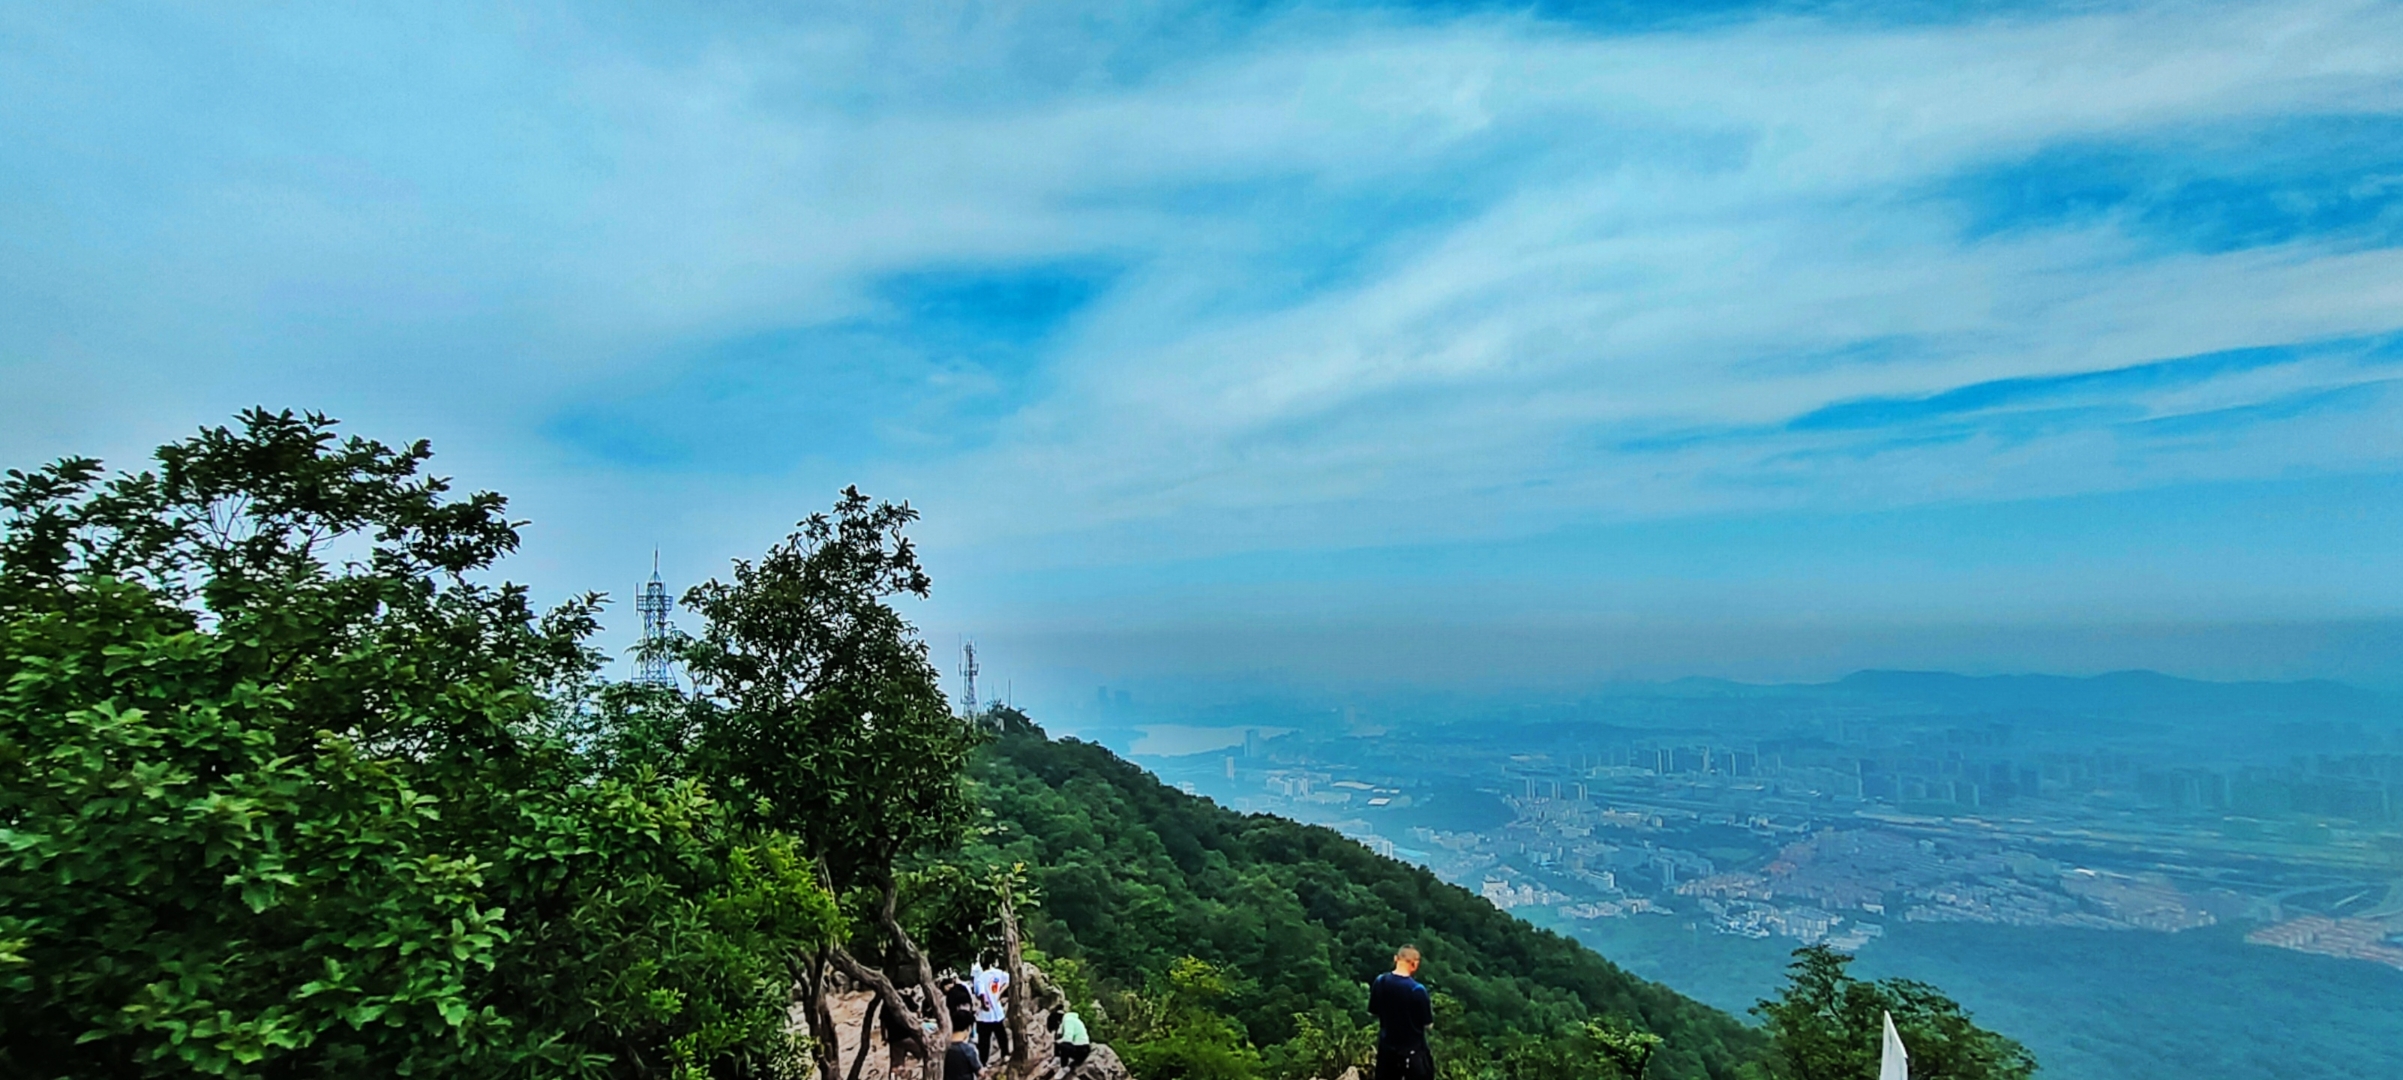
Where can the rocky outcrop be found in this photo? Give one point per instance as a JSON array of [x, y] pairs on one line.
[[1103, 1065]]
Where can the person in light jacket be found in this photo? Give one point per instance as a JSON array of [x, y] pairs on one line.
[[1069, 1040]]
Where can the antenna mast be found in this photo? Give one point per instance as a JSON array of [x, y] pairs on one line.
[[651, 666], [968, 671]]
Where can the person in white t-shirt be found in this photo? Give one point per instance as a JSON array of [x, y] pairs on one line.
[[989, 983]]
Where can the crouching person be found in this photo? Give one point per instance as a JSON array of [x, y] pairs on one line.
[[1069, 1041]]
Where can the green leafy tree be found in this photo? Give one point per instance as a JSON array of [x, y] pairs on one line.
[[1001, 719], [1464, 1054], [282, 793], [1174, 1028], [816, 708], [1325, 1043], [949, 909], [1827, 1025], [1627, 1052], [1592, 1049], [1073, 978]]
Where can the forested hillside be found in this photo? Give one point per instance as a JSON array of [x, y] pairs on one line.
[[1135, 874]]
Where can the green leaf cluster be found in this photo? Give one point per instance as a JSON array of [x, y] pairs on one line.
[[1326, 1042], [1595, 1050], [286, 790], [1173, 1028], [815, 703]]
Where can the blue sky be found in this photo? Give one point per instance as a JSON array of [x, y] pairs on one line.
[[1749, 340]]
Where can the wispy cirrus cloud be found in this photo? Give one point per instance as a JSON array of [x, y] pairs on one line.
[[1400, 257]]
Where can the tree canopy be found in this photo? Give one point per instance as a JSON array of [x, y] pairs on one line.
[[287, 794], [815, 708], [1827, 1025]]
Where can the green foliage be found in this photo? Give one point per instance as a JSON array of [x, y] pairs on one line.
[[815, 704], [952, 910], [1009, 720], [1138, 875], [1828, 1025], [1324, 1044], [267, 813], [1625, 1051], [286, 789], [1071, 975], [1173, 1029], [1594, 1050]]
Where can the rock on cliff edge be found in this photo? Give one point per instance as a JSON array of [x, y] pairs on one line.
[[1103, 1065]]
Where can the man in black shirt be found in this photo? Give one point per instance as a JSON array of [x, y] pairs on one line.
[[960, 1059], [1404, 1012]]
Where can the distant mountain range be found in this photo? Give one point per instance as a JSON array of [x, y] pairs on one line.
[[2119, 693]]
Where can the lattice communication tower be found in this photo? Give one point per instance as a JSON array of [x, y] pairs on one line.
[[968, 671], [651, 663]]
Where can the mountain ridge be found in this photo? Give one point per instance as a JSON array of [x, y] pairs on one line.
[[1136, 873], [2131, 687]]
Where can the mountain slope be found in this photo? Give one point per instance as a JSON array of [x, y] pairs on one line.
[[1135, 874]]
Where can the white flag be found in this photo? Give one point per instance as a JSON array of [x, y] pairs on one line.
[[1893, 1063]]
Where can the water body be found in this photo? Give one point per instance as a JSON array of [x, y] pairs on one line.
[[2092, 1004], [1176, 740]]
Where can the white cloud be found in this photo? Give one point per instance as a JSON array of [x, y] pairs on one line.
[[1632, 235], [1644, 289]]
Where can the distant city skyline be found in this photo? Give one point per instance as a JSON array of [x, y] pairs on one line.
[[1492, 344]]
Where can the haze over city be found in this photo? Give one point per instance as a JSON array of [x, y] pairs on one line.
[[1769, 342]]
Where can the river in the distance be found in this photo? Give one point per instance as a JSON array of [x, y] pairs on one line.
[[2092, 1004]]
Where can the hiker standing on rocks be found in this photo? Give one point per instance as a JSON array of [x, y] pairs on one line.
[[992, 1010], [1404, 1012]]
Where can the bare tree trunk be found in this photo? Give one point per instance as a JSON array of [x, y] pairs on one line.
[[826, 1043], [1022, 1066], [889, 995], [867, 1027], [886, 993], [886, 916]]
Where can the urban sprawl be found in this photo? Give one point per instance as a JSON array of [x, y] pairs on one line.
[[1837, 833]]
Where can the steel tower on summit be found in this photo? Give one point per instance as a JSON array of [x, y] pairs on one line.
[[651, 666], [968, 672]]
